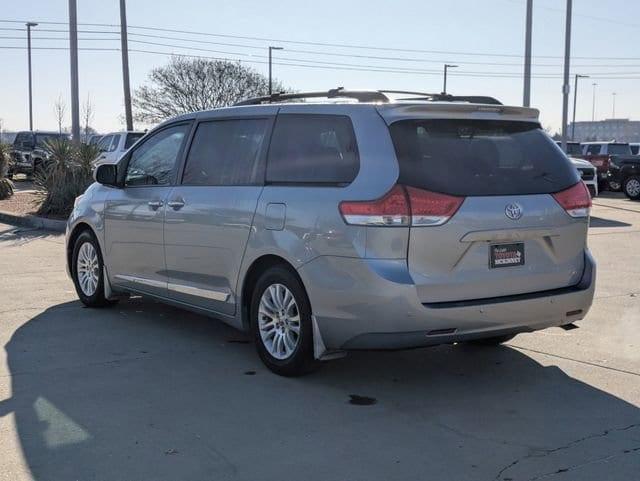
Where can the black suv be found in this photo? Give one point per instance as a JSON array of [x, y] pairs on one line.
[[29, 154], [625, 170]]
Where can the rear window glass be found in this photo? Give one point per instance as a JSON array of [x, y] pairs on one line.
[[480, 157], [619, 149], [319, 149]]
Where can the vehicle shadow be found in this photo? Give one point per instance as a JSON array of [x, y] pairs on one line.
[[602, 222], [142, 391]]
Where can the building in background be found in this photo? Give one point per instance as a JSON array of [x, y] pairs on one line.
[[620, 130]]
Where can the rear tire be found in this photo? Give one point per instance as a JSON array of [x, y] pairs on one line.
[[493, 341], [281, 323], [631, 187], [87, 271]]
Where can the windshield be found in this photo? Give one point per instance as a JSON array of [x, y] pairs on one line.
[[480, 157], [41, 139], [574, 149]]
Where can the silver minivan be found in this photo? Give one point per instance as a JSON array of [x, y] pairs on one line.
[[364, 220]]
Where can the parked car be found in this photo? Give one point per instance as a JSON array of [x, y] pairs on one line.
[[626, 172], [29, 155], [635, 148], [113, 145], [599, 154], [323, 227], [588, 174]]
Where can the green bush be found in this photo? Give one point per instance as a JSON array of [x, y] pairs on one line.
[[6, 186], [67, 175]]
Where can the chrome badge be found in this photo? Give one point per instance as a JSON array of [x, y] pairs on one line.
[[513, 211]]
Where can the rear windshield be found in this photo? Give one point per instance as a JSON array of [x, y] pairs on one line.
[[619, 149], [480, 157]]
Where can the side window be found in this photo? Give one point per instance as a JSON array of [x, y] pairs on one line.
[[114, 143], [153, 161], [593, 149], [226, 152], [308, 148], [105, 142]]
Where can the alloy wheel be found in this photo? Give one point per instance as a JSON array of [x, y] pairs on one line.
[[87, 269], [279, 321]]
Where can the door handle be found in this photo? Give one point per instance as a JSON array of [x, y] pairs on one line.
[[176, 204], [155, 204]]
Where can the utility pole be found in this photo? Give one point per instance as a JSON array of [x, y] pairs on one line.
[[565, 84], [29, 25], [613, 113], [593, 105], [575, 101], [125, 65], [270, 57], [526, 100], [73, 57], [446, 67]]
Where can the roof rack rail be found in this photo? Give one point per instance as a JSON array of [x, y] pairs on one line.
[[368, 96], [340, 92]]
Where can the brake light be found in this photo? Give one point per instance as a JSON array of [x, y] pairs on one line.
[[576, 200], [431, 208], [402, 206]]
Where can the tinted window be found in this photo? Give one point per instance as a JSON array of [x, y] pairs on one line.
[[480, 157], [23, 137], [153, 161], [226, 152], [132, 139], [619, 149], [635, 149], [313, 149], [593, 149]]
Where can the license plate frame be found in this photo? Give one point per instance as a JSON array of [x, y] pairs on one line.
[[506, 255]]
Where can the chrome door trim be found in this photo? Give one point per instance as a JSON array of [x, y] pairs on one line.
[[198, 292], [142, 280]]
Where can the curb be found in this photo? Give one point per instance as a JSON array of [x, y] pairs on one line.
[[34, 221]]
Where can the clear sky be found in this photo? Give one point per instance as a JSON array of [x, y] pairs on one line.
[[605, 36]]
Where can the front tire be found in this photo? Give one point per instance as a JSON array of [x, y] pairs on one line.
[[87, 270], [281, 323], [631, 187]]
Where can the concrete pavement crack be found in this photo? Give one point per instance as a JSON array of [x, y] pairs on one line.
[[547, 452]]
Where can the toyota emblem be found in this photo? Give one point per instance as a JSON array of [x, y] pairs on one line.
[[513, 211]]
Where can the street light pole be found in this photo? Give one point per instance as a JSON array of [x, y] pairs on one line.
[[575, 101], [446, 67], [593, 105], [29, 25], [125, 65], [270, 57], [73, 60], [565, 85], [613, 113], [526, 101]]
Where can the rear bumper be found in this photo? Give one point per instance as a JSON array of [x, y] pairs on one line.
[[373, 304]]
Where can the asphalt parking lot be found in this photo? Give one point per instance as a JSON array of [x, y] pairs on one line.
[[142, 391]]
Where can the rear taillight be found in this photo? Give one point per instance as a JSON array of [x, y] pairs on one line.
[[576, 200], [402, 206]]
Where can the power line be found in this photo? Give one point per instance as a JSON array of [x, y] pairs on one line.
[[318, 44], [363, 68]]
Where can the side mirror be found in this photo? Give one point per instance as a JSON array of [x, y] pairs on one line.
[[107, 174]]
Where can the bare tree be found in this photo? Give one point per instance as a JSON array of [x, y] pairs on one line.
[[87, 117], [188, 85], [60, 109]]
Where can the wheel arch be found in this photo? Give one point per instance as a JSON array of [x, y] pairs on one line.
[[257, 267], [78, 229]]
